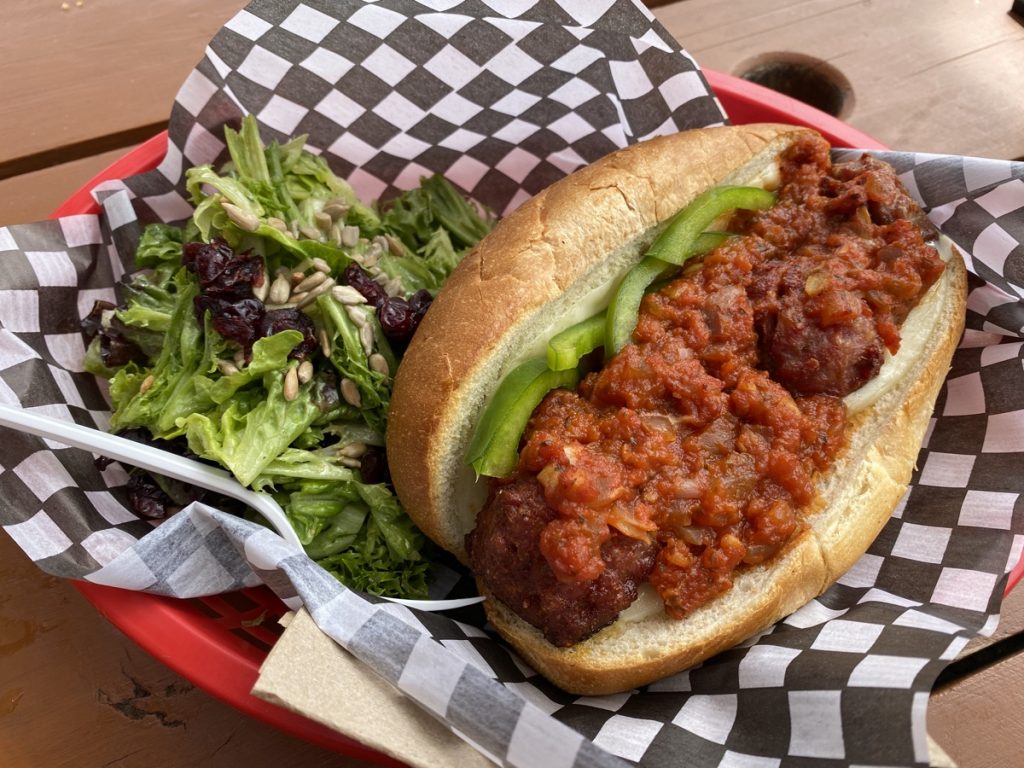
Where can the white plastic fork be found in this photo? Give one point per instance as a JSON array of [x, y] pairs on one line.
[[180, 468]]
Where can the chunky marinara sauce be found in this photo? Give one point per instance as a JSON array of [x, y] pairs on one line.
[[692, 452]]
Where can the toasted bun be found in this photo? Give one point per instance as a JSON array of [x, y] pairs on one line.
[[550, 264]]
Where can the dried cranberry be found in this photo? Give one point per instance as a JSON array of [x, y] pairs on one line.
[[116, 350], [236, 321], [420, 302], [397, 318], [359, 278], [373, 466], [221, 271], [92, 323], [146, 497], [277, 320]]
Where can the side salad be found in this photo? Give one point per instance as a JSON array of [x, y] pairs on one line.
[[263, 335]]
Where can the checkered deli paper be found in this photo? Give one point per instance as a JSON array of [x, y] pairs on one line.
[[503, 97]]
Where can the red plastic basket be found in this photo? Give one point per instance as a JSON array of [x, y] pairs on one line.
[[218, 643]]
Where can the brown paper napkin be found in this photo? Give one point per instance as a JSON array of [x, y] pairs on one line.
[[357, 702]]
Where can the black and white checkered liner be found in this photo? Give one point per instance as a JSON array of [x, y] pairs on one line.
[[503, 96]]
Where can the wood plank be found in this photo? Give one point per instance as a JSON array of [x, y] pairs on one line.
[[96, 68], [76, 692], [947, 79], [900, 90], [992, 701], [1011, 621], [34, 196]]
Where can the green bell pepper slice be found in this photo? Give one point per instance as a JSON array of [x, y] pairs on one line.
[[681, 240], [675, 244], [494, 450], [567, 348], [624, 307]]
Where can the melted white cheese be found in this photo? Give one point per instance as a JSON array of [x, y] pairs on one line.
[[647, 604]]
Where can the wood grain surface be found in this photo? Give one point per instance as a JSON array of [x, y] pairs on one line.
[[34, 196], [979, 720], [943, 76], [94, 74], [84, 80]]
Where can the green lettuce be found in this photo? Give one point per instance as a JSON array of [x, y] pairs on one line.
[[245, 436], [171, 392], [229, 403], [356, 531], [350, 360]]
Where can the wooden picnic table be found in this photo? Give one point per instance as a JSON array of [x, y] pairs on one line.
[[83, 81]]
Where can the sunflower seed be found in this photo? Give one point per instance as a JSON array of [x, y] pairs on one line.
[[321, 266], [350, 392], [356, 314], [280, 290], [302, 266], [291, 385], [308, 232], [345, 461], [336, 210], [298, 276], [245, 220], [366, 338], [352, 450], [295, 298], [312, 295], [284, 305], [305, 371], [323, 221], [325, 342], [240, 358], [336, 235], [346, 294], [146, 385], [310, 282], [379, 364], [260, 291], [350, 236], [277, 224], [394, 245], [227, 368]]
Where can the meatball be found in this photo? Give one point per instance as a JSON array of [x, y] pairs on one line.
[[504, 552]]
